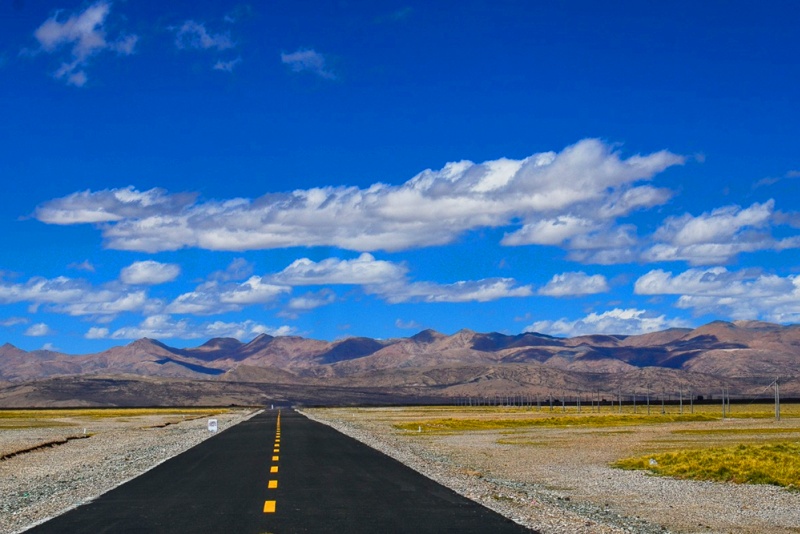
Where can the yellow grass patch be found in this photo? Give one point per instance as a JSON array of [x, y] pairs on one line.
[[773, 463], [600, 420]]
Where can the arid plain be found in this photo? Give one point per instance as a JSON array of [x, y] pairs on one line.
[[550, 470], [554, 471]]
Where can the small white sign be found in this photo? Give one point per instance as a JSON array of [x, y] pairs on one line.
[[212, 425]]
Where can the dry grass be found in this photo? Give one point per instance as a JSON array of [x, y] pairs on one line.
[[448, 419], [772, 463], [462, 425]]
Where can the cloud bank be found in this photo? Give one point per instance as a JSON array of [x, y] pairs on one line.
[[745, 294], [571, 199], [618, 321]]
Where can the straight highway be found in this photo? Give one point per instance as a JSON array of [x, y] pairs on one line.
[[279, 472]]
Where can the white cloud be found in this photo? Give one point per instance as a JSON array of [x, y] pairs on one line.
[[238, 269], [307, 60], [553, 231], [617, 321], [311, 301], [85, 265], [106, 302], [364, 270], [111, 205], [407, 325], [149, 272], [193, 34], [84, 33], [213, 297], [485, 290], [583, 188], [60, 290], [388, 280], [244, 330], [13, 321], [384, 279], [166, 327], [227, 66], [39, 330], [75, 297], [97, 332], [253, 291], [573, 284], [746, 294], [718, 236]]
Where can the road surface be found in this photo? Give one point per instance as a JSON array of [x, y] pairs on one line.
[[279, 472]]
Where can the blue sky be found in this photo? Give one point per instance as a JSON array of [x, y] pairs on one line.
[[332, 169]]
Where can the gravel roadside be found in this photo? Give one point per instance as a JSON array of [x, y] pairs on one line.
[[44, 483]]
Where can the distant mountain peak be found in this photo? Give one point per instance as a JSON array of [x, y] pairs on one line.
[[147, 342], [260, 337], [427, 336]]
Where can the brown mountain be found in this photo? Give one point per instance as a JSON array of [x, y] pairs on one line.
[[743, 355]]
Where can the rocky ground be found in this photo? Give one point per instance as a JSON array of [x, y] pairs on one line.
[[37, 485], [557, 480]]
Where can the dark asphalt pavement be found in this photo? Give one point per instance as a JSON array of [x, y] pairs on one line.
[[322, 481]]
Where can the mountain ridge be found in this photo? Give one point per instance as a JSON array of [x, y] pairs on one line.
[[716, 354]]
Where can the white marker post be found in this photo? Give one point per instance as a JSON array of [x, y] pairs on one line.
[[212, 425]]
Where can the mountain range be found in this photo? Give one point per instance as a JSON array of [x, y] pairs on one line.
[[744, 356]]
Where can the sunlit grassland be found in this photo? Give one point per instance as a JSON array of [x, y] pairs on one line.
[[770, 463], [14, 419], [445, 419], [599, 420]]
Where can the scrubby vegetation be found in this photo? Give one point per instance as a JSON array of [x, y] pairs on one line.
[[771, 463], [466, 424]]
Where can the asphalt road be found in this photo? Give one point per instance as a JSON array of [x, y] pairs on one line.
[[280, 474]]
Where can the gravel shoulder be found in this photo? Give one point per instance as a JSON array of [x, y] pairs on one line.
[[41, 484], [558, 480]]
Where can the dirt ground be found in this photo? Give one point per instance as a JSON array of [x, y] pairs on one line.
[[573, 463]]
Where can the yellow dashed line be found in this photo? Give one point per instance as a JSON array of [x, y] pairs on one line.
[[269, 506]]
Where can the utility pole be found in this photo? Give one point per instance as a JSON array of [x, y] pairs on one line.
[[723, 402], [777, 400]]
